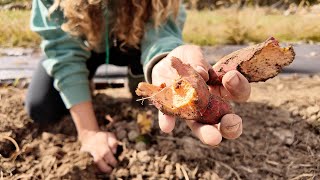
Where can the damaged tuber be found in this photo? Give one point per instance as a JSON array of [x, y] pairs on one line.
[[257, 63], [189, 97]]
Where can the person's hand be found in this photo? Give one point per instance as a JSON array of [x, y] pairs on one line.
[[102, 146], [234, 87]]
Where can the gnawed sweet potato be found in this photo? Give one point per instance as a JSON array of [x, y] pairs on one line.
[[187, 98], [257, 63]]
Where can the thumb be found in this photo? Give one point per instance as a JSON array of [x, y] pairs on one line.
[[166, 122], [204, 72], [231, 126], [112, 142]]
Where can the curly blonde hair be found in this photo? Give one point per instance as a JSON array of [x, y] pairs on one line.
[[86, 18]]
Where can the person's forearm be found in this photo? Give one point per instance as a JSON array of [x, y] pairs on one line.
[[84, 118]]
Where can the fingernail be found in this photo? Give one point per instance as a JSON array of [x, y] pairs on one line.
[[233, 79], [114, 150], [203, 72], [201, 69], [233, 128]]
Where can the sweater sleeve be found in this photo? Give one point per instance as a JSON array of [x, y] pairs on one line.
[[158, 42], [65, 56]]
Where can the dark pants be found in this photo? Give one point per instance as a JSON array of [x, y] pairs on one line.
[[44, 104]]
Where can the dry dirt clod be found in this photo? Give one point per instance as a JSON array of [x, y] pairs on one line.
[[139, 177], [215, 176], [295, 113], [121, 134], [168, 170], [136, 170], [133, 135], [122, 172], [286, 136], [313, 118], [313, 110], [174, 157], [179, 173], [143, 157], [140, 146], [46, 136]]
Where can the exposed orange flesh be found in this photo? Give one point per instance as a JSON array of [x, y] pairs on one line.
[[188, 98]]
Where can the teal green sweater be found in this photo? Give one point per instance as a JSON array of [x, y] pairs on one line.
[[66, 55]]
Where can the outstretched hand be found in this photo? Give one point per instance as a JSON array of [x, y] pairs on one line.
[[234, 87]]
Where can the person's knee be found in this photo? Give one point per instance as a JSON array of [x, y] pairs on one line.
[[41, 113], [34, 110]]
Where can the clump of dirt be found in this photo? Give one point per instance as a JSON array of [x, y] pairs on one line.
[[280, 139]]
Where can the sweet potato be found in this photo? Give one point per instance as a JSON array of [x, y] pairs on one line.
[[257, 63], [187, 98]]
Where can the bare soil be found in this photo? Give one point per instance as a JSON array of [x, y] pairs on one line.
[[281, 139]]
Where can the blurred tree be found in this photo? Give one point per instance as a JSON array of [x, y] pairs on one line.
[[211, 4]]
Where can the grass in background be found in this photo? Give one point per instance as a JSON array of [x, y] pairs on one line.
[[229, 26], [223, 26], [4, 2], [15, 30]]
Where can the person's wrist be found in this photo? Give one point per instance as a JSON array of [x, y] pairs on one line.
[[84, 118], [85, 133]]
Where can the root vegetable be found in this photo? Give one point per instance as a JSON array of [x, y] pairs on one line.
[[189, 97], [257, 63]]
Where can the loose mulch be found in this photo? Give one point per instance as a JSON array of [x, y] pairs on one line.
[[281, 139]]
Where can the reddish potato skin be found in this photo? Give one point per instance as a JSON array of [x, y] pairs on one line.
[[209, 113], [211, 108], [233, 61], [190, 75], [216, 109], [203, 107], [236, 60]]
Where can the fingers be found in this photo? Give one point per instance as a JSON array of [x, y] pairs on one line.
[[109, 157], [102, 146], [111, 150], [208, 134], [231, 126], [112, 142], [235, 87], [162, 72], [104, 157], [166, 122], [193, 55], [105, 160], [203, 72], [103, 166]]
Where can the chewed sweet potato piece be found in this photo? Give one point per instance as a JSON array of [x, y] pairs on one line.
[[187, 98], [257, 63]]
